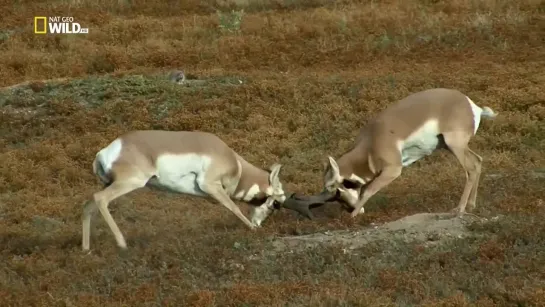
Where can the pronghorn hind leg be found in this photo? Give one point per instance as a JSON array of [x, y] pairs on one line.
[[89, 209], [457, 144], [472, 201], [101, 200]]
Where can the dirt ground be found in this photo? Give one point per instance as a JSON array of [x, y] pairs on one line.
[[280, 81], [424, 227]]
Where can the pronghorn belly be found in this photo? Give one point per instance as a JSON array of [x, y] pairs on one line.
[[181, 173], [186, 185], [420, 143]]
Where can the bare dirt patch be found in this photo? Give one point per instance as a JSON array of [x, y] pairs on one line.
[[431, 228]]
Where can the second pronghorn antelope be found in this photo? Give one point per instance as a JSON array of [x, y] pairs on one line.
[[403, 133], [195, 163]]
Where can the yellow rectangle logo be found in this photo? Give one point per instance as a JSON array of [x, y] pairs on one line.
[[39, 20]]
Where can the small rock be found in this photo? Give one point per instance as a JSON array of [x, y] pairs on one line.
[[253, 257], [433, 237], [237, 266]]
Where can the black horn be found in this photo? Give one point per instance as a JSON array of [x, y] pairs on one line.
[[302, 203]]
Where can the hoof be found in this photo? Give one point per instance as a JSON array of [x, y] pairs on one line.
[[456, 212], [460, 214]]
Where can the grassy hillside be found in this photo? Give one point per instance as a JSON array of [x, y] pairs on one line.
[[279, 81]]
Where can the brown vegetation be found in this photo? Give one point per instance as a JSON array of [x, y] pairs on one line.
[[293, 82]]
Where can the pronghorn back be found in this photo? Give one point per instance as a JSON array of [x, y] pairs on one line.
[[449, 108], [401, 134], [140, 146], [417, 122]]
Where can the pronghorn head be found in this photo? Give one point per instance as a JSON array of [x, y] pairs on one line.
[[275, 196], [346, 188], [276, 199], [275, 192]]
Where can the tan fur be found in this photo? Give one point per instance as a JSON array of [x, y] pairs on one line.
[[193, 162], [377, 152], [252, 175]]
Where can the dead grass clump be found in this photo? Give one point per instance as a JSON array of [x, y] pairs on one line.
[[106, 60]]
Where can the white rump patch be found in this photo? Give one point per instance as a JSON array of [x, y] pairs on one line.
[[183, 173], [420, 143], [477, 111], [109, 154]]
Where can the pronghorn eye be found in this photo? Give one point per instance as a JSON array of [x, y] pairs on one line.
[[351, 184]]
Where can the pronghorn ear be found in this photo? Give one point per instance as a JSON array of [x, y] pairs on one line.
[[334, 166], [273, 176]]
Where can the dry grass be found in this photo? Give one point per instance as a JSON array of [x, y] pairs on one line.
[[313, 72]]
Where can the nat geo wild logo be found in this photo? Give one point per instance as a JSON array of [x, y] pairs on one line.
[[57, 25]]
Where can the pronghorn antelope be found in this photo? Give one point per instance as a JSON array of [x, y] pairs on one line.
[[403, 133], [195, 163]]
